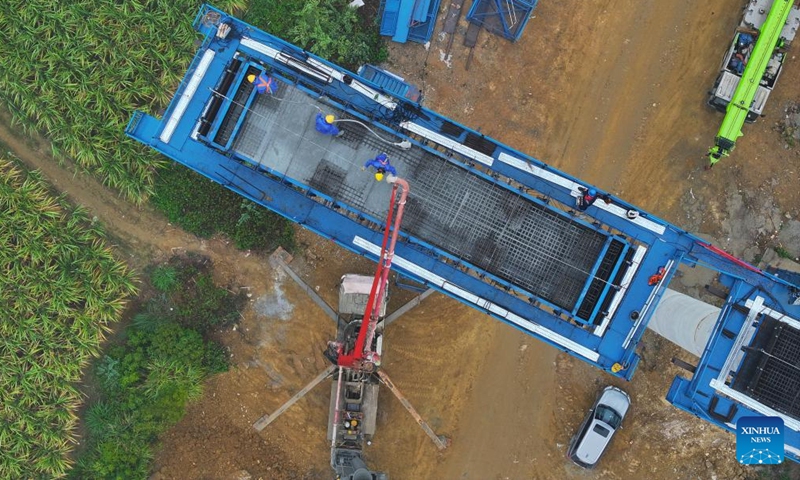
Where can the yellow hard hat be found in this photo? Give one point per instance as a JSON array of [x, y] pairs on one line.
[[616, 368], [329, 118], [251, 78], [379, 176]]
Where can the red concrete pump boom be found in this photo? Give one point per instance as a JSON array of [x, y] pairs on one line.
[[362, 356]]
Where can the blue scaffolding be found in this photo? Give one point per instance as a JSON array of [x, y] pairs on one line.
[[506, 18], [485, 224], [405, 20]]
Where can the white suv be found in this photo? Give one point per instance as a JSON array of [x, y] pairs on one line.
[[603, 419]]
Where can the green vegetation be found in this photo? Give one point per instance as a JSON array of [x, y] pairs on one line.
[[147, 380], [204, 208], [327, 28], [75, 71], [783, 253], [60, 289]]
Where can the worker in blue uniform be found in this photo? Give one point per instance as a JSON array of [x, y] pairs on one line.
[[324, 125], [382, 165], [263, 83], [587, 197]]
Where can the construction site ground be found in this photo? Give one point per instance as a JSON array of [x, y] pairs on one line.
[[610, 91]]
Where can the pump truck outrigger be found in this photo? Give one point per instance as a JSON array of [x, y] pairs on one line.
[[355, 357]]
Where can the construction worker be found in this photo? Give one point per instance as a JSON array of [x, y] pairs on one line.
[[381, 165], [657, 277], [324, 125], [587, 197], [263, 83]]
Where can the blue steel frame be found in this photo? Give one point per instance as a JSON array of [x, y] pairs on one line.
[[299, 203], [496, 21], [697, 397], [210, 137]]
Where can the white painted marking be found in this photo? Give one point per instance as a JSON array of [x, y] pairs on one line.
[[553, 337], [468, 296], [620, 294], [186, 96], [446, 142], [481, 302], [752, 404]]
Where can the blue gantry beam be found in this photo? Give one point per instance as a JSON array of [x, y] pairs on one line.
[[485, 224]]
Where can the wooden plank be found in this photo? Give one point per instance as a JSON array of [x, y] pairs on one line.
[[278, 260], [440, 442], [262, 422], [452, 16], [414, 302]]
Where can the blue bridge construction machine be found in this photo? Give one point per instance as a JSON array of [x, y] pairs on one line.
[[485, 224]]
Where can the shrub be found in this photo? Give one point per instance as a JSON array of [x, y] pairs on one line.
[[205, 208], [328, 28], [164, 278], [147, 380]]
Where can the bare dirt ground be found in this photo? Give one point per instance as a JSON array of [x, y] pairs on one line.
[[611, 91]]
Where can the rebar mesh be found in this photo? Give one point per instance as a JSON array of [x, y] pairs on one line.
[[469, 216], [263, 112], [500, 231], [776, 381]]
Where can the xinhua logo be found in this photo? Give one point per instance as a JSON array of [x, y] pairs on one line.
[[759, 440]]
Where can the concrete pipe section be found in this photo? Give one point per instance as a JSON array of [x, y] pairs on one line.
[[684, 321]]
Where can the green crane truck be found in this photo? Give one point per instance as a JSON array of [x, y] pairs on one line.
[[751, 68]]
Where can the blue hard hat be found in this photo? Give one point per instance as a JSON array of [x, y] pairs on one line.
[[382, 156], [592, 191]]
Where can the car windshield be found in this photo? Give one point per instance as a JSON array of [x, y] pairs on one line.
[[608, 416]]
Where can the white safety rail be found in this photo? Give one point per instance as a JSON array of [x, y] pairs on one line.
[[538, 171], [304, 66], [776, 315], [440, 282], [744, 337], [186, 96], [623, 287], [752, 404], [648, 304], [792, 450], [622, 213], [259, 47], [448, 143], [575, 192]]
